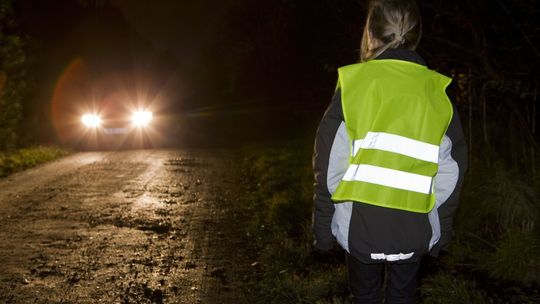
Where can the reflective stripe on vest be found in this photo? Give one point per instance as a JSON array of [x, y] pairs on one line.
[[397, 144], [396, 114], [389, 178]]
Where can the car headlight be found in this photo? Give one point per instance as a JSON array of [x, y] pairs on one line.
[[141, 118], [91, 120]]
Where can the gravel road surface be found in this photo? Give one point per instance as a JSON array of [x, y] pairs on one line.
[[117, 227]]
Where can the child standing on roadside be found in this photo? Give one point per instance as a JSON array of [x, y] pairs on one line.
[[389, 159]]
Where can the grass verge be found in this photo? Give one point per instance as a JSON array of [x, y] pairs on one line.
[[285, 269], [11, 162], [493, 258]]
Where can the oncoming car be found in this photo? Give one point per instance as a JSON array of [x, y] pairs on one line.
[[117, 125], [117, 128], [115, 122], [112, 110]]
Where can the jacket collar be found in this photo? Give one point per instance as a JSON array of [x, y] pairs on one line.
[[402, 54]]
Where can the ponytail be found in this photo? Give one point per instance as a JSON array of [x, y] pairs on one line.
[[390, 24]]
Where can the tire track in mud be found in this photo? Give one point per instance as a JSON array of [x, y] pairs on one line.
[[130, 227]]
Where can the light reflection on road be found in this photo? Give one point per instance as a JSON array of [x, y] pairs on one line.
[[146, 201]]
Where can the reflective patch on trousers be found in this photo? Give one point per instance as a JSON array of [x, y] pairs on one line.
[[391, 257]]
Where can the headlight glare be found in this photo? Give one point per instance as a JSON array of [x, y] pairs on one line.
[[141, 118], [91, 120]]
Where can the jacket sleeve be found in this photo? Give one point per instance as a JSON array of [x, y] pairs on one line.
[[449, 179], [330, 160]]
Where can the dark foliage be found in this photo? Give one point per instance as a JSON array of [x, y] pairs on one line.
[[12, 76]]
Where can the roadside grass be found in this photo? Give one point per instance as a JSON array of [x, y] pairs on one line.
[[286, 270], [445, 288], [492, 259], [11, 162]]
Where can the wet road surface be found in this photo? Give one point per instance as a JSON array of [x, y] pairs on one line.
[[116, 227]]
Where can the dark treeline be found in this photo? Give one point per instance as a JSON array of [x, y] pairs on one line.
[[298, 44], [287, 52], [13, 84], [282, 52]]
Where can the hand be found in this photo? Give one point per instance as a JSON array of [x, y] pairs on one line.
[[329, 255]]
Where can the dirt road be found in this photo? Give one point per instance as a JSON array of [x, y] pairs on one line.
[[116, 227]]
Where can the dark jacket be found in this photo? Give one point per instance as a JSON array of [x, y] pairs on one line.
[[359, 227]]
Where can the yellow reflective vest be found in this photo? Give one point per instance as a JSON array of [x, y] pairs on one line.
[[396, 113]]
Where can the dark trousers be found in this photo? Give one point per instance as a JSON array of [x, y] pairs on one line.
[[365, 281]]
